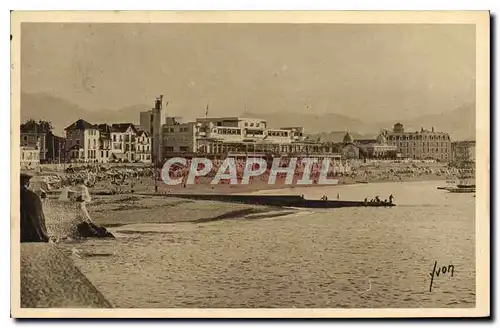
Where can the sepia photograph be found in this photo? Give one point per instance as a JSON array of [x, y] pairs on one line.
[[250, 164]]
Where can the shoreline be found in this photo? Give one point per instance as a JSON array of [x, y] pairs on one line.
[[147, 207], [262, 186]]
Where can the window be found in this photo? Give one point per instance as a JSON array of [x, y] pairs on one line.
[[183, 149]]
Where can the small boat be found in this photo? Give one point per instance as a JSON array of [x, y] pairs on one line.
[[461, 190], [465, 183]]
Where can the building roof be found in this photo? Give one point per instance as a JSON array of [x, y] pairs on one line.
[[348, 138], [141, 132], [81, 124], [122, 127], [381, 139], [230, 118], [365, 141]]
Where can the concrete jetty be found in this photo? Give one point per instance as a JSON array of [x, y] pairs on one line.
[[49, 279], [280, 200]]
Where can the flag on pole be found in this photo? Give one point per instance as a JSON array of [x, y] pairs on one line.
[[206, 112]]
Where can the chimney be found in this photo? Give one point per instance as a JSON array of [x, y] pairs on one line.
[[421, 129], [432, 129]]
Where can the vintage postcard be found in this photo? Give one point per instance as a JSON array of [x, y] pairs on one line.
[[250, 164]]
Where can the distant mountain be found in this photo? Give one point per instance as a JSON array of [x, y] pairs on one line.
[[460, 123], [313, 123], [62, 113]]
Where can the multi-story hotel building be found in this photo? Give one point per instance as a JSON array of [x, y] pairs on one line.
[[233, 136], [82, 142], [423, 144]]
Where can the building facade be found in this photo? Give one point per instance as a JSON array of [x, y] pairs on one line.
[[146, 121], [463, 151], [104, 143], [51, 147], [82, 142], [124, 143], [30, 157], [143, 147], [223, 136], [423, 144]]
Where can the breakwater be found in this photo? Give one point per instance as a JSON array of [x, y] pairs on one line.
[[280, 200]]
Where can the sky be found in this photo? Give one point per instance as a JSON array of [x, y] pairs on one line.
[[365, 71]]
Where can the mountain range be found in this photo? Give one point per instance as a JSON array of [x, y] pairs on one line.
[[460, 123]]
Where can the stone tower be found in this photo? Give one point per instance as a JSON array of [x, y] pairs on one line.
[[157, 148]]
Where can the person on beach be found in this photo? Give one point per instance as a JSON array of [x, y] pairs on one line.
[[33, 228], [390, 199]]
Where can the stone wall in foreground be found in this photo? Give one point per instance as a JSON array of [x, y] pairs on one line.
[[49, 279]]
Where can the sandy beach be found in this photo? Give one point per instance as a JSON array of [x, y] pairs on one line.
[[172, 252]]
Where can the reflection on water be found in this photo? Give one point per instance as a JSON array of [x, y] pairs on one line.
[[355, 257]]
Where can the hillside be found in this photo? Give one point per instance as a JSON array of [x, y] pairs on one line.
[[62, 112], [460, 123]]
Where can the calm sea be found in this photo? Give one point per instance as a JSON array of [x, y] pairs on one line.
[[341, 258]]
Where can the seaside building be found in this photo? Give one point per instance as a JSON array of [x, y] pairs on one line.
[[30, 157], [423, 144], [51, 147], [124, 142], [143, 146], [349, 149], [146, 121], [463, 151], [368, 148], [82, 142], [237, 136], [104, 143]]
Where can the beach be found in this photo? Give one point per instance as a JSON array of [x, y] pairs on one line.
[[175, 252], [209, 254]]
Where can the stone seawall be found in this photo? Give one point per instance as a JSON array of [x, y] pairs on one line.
[[49, 279]]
